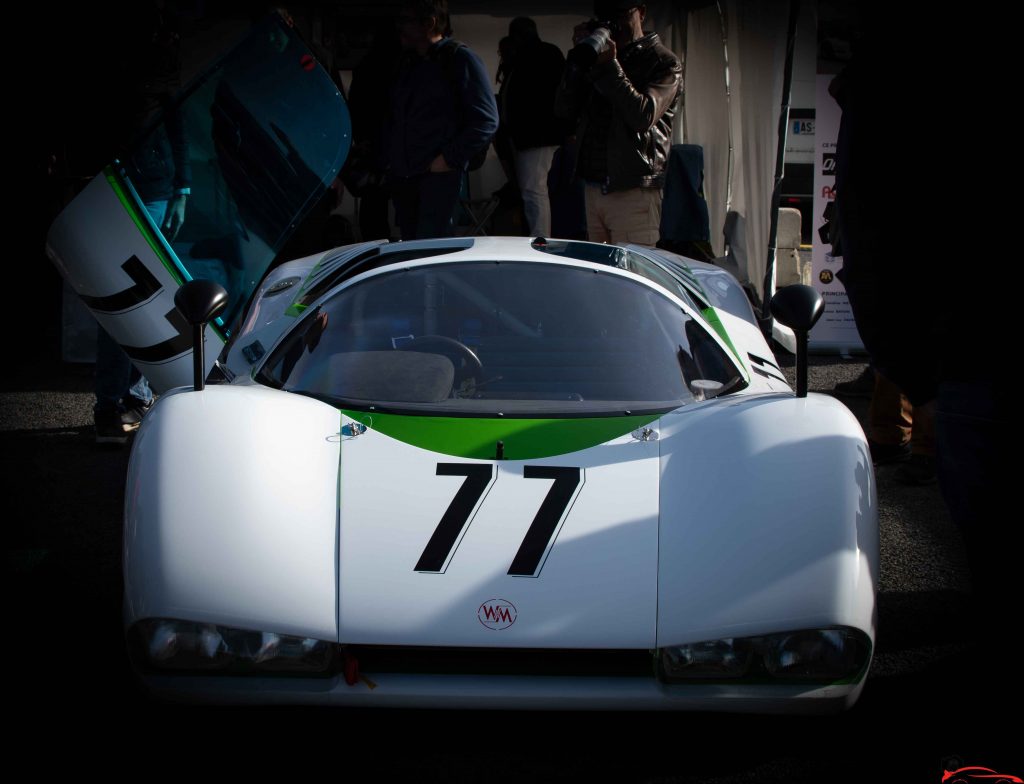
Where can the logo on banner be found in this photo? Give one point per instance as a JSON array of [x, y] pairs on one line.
[[828, 163], [826, 276]]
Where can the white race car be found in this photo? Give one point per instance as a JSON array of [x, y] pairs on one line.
[[473, 472]]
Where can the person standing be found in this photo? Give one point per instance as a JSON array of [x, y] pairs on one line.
[[528, 112], [159, 169], [625, 100], [442, 114], [368, 102]]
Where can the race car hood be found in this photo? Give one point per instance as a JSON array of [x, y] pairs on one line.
[[437, 548], [265, 510], [254, 142]]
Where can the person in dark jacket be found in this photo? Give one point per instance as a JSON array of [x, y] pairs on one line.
[[625, 104], [368, 102], [442, 113], [919, 318], [528, 114]]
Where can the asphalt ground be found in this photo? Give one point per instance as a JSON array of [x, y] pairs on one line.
[[932, 694]]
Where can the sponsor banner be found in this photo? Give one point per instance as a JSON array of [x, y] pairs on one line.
[[800, 139], [836, 331]]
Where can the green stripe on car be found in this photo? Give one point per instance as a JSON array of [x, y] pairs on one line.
[[711, 317], [522, 439]]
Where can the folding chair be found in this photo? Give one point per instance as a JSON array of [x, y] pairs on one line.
[[478, 211]]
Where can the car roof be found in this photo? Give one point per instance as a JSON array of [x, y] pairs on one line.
[[344, 264], [354, 263]]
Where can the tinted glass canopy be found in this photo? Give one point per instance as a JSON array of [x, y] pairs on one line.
[[501, 338]]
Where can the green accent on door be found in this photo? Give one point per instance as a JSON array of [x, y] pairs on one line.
[[155, 241]]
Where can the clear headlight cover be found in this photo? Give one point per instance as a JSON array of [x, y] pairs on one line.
[[807, 655], [825, 654], [713, 659], [168, 644]]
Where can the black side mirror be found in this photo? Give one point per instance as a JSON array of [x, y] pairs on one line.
[[200, 301], [798, 307]]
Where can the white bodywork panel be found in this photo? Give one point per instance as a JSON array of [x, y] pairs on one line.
[[748, 341], [768, 519], [231, 511], [89, 242], [597, 587]]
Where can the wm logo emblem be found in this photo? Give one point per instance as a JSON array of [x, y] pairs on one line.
[[497, 614]]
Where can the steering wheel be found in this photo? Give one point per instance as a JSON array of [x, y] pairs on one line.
[[468, 364]]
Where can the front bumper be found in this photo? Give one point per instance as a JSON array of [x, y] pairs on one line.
[[505, 692]]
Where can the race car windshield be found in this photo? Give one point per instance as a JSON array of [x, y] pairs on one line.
[[508, 338]]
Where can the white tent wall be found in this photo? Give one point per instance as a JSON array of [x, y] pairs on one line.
[[707, 111], [756, 40], [739, 106]]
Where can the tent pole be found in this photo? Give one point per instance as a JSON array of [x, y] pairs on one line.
[[773, 232]]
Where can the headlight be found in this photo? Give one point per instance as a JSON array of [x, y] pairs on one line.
[[828, 654], [716, 659], [809, 655], [166, 644]]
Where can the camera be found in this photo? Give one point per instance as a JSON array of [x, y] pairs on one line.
[[586, 51]]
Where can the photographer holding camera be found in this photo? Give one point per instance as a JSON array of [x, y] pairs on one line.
[[621, 86]]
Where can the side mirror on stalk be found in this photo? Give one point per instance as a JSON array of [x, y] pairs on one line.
[[798, 307], [200, 301]]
